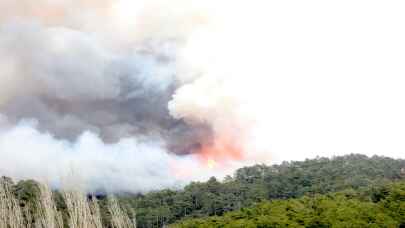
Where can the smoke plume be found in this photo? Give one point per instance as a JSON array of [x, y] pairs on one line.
[[108, 91]]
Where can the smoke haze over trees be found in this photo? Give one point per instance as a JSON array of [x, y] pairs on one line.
[[134, 111]]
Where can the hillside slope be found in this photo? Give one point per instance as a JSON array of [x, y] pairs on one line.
[[261, 182], [381, 207]]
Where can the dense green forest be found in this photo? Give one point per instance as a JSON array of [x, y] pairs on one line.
[[322, 192], [258, 183], [375, 207]]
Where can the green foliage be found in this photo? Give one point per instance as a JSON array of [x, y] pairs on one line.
[[394, 201], [259, 183], [342, 209]]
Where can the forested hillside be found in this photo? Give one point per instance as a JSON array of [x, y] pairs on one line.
[[378, 207], [261, 182], [320, 192]]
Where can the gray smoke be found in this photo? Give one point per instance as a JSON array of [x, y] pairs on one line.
[[71, 83]]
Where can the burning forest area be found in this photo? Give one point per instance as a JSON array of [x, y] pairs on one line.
[[189, 113]]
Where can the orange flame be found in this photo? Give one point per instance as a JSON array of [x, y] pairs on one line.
[[213, 156], [219, 153]]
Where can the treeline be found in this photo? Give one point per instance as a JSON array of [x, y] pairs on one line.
[[260, 183], [375, 207]]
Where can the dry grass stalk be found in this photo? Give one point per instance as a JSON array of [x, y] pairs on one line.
[[82, 214], [119, 219], [48, 216], [10, 211]]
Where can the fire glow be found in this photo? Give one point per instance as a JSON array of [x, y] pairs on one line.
[[219, 154], [209, 160]]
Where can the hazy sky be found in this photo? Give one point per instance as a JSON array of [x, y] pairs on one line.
[[338, 78]]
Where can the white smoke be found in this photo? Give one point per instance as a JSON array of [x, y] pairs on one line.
[[126, 166]]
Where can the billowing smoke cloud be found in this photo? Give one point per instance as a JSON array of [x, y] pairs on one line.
[[101, 89], [123, 166], [73, 83]]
